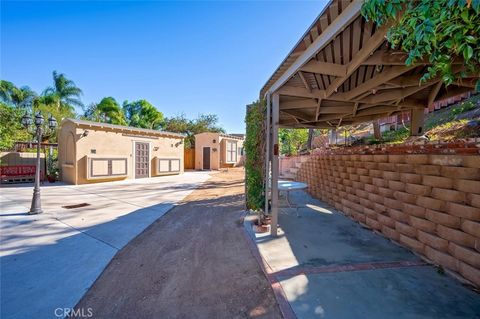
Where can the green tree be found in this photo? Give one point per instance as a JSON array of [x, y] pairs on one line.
[[204, 123], [441, 31], [107, 111], [21, 97], [11, 129], [292, 140], [142, 114], [48, 108], [64, 93]]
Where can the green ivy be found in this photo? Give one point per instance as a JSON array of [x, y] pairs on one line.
[[439, 31], [255, 155]]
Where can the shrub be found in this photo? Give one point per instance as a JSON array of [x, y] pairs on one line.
[[255, 155]]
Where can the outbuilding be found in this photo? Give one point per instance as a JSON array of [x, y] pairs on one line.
[[90, 152], [216, 150]]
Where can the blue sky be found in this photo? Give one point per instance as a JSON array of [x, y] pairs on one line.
[[184, 57]]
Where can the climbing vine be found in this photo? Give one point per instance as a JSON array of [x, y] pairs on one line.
[[439, 31], [254, 146]]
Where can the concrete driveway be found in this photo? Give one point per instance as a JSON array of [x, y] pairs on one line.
[[48, 261]]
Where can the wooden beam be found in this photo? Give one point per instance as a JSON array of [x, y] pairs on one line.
[[355, 108], [301, 92], [377, 110], [298, 104], [317, 112], [433, 93], [275, 167], [377, 80], [305, 82], [300, 117], [451, 92], [394, 94], [335, 109], [384, 57], [349, 14], [327, 68], [371, 45]]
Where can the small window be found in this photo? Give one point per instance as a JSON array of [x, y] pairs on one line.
[[231, 151], [240, 151]]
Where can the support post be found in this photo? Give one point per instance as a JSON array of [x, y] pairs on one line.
[[416, 122], [274, 157], [376, 130], [267, 155]]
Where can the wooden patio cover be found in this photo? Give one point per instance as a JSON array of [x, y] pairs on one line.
[[343, 72]]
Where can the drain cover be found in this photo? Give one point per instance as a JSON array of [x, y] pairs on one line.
[[76, 206]]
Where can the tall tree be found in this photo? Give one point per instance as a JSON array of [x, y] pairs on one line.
[[292, 140], [21, 97], [11, 129], [142, 114], [204, 123], [107, 111], [64, 93]]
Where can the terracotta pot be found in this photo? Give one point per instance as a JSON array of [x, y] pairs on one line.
[[51, 179]]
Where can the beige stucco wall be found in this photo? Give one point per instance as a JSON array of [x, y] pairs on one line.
[[223, 152], [101, 143], [218, 157], [206, 140]]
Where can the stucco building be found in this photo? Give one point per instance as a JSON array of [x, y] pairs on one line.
[[217, 150], [90, 152]]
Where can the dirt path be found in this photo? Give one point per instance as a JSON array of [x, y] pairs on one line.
[[193, 262]]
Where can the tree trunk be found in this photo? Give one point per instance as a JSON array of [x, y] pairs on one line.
[[376, 130], [310, 138]]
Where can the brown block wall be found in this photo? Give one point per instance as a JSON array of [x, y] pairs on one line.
[[426, 202]]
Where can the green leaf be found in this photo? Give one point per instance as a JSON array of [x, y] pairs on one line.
[[467, 52]]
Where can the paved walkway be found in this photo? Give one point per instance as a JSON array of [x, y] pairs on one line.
[[49, 261], [324, 265]]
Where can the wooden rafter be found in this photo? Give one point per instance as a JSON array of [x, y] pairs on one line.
[[325, 68], [301, 92], [371, 45], [371, 84], [298, 104], [394, 94], [305, 82], [296, 115], [433, 93], [317, 112]]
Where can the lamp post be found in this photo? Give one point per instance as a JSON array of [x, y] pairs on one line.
[[36, 207]]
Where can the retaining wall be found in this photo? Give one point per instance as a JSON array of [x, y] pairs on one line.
[[427, 202]]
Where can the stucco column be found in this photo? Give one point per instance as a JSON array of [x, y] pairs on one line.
[[417, 117], [275, 171]]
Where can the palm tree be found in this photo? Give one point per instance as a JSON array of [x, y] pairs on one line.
[[64, 93], [19, 97], [107, 111], [6, 89]]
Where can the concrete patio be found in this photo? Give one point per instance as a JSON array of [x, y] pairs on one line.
[[48, 261], [324, 265]]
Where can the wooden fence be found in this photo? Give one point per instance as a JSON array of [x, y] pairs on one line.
[[189, 158]]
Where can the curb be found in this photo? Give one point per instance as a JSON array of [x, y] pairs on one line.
[[279, 293]]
